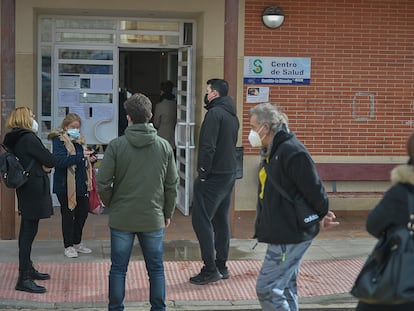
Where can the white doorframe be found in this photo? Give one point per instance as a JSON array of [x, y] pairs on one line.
[[185, 129]]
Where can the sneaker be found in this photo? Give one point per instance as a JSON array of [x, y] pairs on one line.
[[80, 248], [70, 252], [205, 277], [224, 273]]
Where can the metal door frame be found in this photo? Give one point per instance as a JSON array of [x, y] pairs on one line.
[[185, 129]]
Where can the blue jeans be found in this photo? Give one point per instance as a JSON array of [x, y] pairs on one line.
[[152, 249], [276, 285]]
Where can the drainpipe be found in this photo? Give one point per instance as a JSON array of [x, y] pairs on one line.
[[7, 76], [231, 20]]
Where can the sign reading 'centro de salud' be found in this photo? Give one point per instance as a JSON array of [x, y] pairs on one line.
[[276, 70]]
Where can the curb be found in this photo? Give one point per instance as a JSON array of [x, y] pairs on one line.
[[322, 303]]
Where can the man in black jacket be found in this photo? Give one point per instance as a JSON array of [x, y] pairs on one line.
[[213, 187], [287, 163]]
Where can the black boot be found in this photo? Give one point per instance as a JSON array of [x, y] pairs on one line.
[[36, 275], [26, 284]]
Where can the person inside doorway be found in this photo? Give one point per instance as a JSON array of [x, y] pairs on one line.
[[124, 94], [165, 113]]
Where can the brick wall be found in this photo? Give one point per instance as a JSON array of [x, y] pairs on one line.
[[355, 46]]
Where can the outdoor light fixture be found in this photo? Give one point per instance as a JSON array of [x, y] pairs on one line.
[[273, 17]]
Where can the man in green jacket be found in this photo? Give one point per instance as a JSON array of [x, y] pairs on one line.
[[137, 182]]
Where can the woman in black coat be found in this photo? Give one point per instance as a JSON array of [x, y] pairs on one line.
[[34, 199], [390, 212]]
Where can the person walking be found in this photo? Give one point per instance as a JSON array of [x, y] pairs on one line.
[[137, 182], [287, 162], [390, 213], [216, 169], [33, 198], [165, 113], [71, 181]]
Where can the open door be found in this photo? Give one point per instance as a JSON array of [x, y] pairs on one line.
[[185, 130]]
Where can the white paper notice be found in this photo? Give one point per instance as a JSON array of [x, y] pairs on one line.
[[80, 110], [69, 81], [68, 97], [103, 112], [257, 94], [101, 84]]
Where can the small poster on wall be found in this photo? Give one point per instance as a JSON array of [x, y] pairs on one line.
[[256, 94]]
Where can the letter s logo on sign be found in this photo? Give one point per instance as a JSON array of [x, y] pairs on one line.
[[257, 63]]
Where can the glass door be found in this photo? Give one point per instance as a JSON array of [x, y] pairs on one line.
[[86, 83]]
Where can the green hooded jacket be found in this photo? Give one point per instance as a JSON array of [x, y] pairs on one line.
[[137, 180]]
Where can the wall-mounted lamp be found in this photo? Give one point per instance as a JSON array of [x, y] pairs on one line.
[[273, 17]]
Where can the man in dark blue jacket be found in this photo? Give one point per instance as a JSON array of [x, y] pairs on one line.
[[213, 187]]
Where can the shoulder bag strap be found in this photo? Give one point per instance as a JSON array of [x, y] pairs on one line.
[[277, 187], [27, 170], [4, 147]]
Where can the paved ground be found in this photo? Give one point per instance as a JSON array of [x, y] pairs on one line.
[[327, 273]]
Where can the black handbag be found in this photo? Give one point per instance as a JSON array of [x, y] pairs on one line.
[[305, 214], [387, 276]]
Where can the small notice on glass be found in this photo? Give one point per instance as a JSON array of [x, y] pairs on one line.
[[69, 81]]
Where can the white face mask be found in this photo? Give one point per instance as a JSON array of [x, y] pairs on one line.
[[254, 138], [35, 126]]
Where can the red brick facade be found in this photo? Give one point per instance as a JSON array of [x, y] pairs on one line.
[[354, 46]]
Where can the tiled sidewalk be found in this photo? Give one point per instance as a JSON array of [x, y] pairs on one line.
[[327, 273], [87, 282]]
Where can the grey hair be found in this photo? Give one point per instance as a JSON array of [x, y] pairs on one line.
[[270, 114]]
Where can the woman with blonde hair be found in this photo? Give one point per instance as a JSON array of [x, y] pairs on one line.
[[34, 200], [72, 181]]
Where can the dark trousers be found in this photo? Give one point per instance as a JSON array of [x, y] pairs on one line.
[[73, 221], [210, 218], [27, 234]]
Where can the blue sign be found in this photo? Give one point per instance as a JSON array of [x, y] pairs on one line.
[[276, 70]]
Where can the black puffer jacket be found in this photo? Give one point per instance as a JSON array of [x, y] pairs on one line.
[[392, 209], [34, 199], [292, 168], [218, 138], [390, 212]]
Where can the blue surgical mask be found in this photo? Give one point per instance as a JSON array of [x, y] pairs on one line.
[[73, 133]]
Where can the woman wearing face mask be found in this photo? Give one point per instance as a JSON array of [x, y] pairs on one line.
[[34, 200], [71, 181]]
